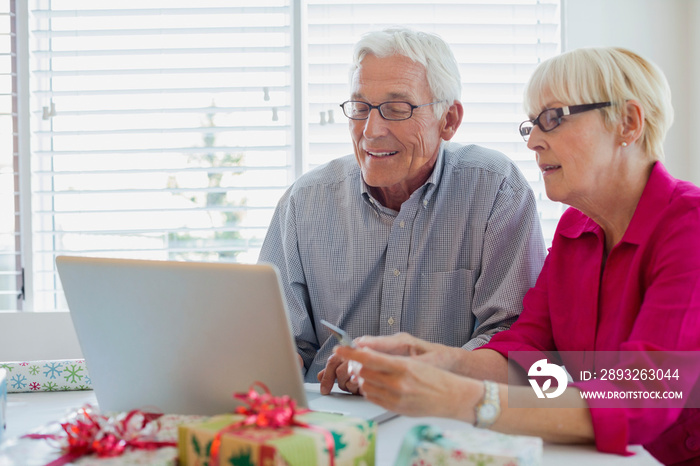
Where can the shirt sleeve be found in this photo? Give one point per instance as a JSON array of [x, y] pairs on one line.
[[668, 322], [281, 248], [533, 329], [513, 254]]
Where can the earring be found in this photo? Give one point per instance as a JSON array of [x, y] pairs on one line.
[[623, 144]]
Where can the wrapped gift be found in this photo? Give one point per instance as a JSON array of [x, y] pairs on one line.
[[88, 437], [47, 376], [426, 445], [271, 431]]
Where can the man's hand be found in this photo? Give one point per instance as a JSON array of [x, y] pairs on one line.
[[301, 361], [336, 369]]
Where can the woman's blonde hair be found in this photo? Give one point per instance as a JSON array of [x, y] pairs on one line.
[[603, 74]]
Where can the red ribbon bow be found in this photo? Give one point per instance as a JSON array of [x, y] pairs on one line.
[[93, 433], [266, 411]]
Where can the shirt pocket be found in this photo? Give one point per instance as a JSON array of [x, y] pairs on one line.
[[445, 313]]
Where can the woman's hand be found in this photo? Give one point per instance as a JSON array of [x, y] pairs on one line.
[[409, 386], [404, 344]]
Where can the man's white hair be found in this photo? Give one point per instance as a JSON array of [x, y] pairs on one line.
[[428, 49]]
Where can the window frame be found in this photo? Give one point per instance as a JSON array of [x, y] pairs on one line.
[[300, 128]]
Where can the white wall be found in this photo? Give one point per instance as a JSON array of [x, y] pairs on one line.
[[35, 336], [665, 32]]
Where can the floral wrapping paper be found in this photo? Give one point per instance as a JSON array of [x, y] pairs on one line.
[[47, 376], [354, 442], [429, 446]]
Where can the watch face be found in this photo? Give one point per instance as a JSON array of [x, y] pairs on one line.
[[487, 411]]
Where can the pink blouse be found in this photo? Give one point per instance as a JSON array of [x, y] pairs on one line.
[[647, 297]]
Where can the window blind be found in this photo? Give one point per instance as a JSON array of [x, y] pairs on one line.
[[497, 43], [10, 278], [161, 130], [168, 129]]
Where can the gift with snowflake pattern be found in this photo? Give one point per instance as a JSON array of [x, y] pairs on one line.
[[47, 376]]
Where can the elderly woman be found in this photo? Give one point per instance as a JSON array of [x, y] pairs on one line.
[[623, 273]]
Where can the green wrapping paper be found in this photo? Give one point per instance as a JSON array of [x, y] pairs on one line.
[[353, 440], [430, 446]]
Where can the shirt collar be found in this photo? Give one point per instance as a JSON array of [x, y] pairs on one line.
[[429, 186], [655, 197]]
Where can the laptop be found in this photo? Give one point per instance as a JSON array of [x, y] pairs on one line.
[[182, 337]]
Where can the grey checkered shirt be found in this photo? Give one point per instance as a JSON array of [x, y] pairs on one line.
[[451, 267]]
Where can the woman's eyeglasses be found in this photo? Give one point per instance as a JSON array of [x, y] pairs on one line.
[[550, 118]]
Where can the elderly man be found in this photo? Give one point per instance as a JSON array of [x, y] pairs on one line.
[[413, 233]]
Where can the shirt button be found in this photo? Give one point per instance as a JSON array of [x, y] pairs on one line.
[[693, 443], [402, 224], [396, 272], [390, 321], [425, 202]]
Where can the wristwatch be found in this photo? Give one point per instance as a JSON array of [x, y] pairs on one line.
[[488, 410]]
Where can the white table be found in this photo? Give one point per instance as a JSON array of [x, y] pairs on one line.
[[29, 411]]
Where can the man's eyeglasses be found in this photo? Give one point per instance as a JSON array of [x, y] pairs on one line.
[[392, 111], [550, 118]]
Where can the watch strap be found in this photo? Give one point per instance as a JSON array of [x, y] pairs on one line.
[[489, 409]]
